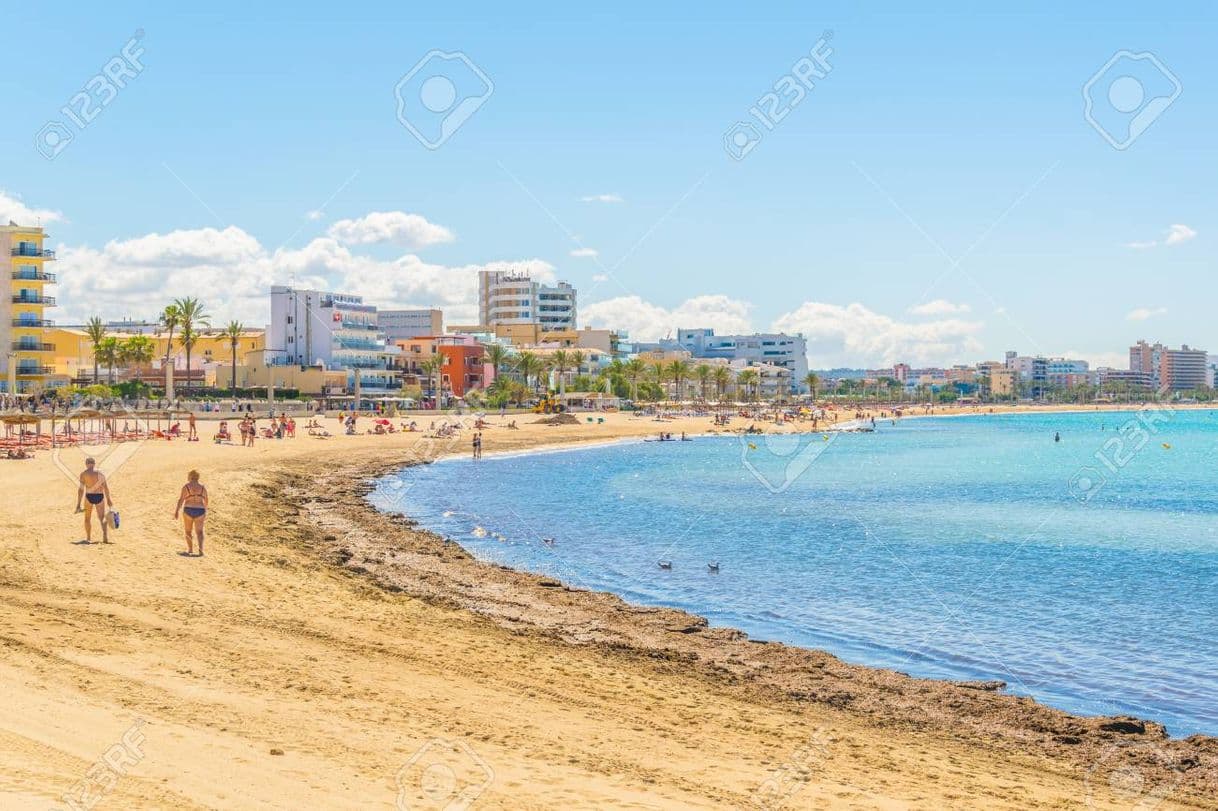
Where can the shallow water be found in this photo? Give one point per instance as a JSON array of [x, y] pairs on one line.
[[1082, 572]]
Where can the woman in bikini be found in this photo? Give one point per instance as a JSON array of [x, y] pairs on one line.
[[192, 504]]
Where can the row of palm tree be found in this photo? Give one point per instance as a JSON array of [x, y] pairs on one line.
[[187, 317], [662, 379]]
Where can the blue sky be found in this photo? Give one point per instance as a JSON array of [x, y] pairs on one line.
[[939, 196]]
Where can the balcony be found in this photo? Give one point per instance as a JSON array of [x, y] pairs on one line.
[[33, 253], [31, 370], [32, 323], [32, 346], [33, 276], [46, 301]]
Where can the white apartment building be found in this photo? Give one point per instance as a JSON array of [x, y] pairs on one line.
[[331, 330], [508, 298], [776, 349], [402, 324]]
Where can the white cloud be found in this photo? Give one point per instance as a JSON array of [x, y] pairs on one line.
[[396, 227], [1179, 233], [854, 335], [938, 307], [600, 277], [584, 253], [13, 209], [1143, 313], [315, 214], [602, 198], [1176, 234], [645, 321], [231, 272]]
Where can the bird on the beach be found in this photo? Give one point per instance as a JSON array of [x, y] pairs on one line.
[[665, 564], [713, 568]]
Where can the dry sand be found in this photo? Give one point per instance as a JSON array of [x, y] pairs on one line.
[[325, 656]]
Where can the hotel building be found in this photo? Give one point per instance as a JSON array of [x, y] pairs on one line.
[[400, 324], [512, 298], [333, 330], [26, 355], [776, 349], [1180, 369]]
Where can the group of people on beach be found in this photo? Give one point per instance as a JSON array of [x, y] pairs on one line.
[[94, 489]]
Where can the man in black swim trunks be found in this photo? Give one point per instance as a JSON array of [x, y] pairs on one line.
[[93, 488]]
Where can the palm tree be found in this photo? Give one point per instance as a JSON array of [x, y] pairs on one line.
[[530, 367], [431, 367], [193, 319], [496, 355], [812, 380], [703, 372], [108, 352], [136, 350], [233, 333], [747, 379], [561, 362], [577, 360], [95, 331], [678, 372], [723, 379], [171, 319], [634, 370]]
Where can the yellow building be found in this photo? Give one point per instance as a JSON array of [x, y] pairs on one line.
[[25, 358], [73, 351]]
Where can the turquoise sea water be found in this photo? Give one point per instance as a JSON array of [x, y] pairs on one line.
[[1082, 572]]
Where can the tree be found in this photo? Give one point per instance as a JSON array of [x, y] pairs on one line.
[[137, 351], [496, 355], [193, 319], [431, 367], [812, 380], [678, 373], [108, 352], [723, 379], [233, 333], [634, 370], [95, 331], [561, 361], [747, 379], [171, 319], [703, 372], [530, 367]]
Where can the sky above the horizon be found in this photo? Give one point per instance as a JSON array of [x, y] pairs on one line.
[[924, 186]]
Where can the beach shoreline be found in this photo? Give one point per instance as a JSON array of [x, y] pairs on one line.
[[350, 639]]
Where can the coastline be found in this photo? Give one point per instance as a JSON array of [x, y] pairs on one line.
[[348, 639]]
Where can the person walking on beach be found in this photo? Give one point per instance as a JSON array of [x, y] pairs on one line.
[[94, 489], [192, 434], [192, 505], [478, 445]]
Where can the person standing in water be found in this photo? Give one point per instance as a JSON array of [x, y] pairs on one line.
[[192, 504], [1057, 437], [94, 489]]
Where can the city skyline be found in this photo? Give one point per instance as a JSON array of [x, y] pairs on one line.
[[936, 217]]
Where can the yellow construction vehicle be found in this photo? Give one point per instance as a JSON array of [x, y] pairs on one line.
[[549, 405]]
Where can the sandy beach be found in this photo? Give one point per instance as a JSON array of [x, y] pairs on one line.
[[324, 655]]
